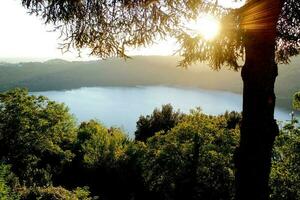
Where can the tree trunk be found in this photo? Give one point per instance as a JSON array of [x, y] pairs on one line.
[[258, 128]]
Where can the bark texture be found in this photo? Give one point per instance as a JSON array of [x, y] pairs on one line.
[[259, 128]]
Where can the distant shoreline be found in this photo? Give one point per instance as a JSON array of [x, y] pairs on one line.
[[57, 75]]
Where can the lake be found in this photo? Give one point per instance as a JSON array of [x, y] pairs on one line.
[[122, 106]]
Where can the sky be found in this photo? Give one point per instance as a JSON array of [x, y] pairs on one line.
[[26, 38]]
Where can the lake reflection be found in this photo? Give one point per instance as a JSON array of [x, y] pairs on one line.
[[122, 106]]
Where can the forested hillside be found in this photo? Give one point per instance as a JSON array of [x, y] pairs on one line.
[[140, 70]]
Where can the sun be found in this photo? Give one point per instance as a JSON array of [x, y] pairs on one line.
[[206, 26]]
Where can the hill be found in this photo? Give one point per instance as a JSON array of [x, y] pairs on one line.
[[140, 70]]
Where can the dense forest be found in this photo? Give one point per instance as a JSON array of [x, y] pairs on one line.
[[45, 154], [141, 70]]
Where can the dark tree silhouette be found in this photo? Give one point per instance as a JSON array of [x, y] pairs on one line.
[[264, 32], [159, 120]]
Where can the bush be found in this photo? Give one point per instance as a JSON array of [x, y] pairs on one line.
[[36, 136], [56, 193], [233, 119], [193, 160], [159, 120], [100, 152], [285, 173], [96, 145], [296, 101], [7, 182]]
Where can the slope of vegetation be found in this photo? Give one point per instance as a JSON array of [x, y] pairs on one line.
[[45, 155], [143, 70]]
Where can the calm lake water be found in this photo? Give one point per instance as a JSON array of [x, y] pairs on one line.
[[122, 106]]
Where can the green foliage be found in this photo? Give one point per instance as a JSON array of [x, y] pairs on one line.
[[159, 120], [296, 101], [233, 119], [56, 193], [36, 136], [98, 145], [6, 183], [193, 160], [285, 174], [103, 161]]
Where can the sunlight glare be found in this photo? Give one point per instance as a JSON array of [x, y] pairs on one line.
[[206, 25], [230, 3]]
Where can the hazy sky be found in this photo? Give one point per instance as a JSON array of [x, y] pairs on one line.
[[24, 37]]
